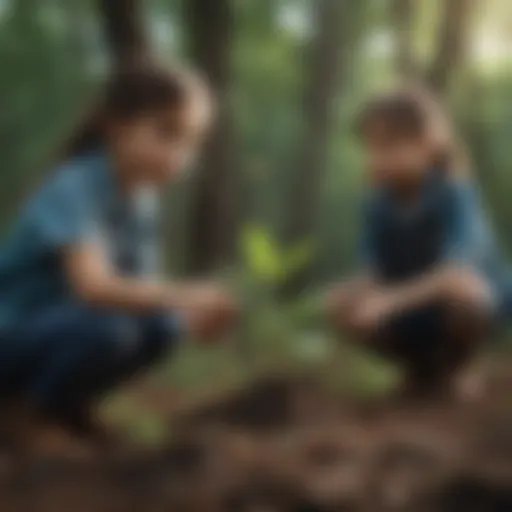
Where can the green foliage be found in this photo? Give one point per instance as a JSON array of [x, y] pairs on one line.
[[267, 261], [262, 255], [277, 332]]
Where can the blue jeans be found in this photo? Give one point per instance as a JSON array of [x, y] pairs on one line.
[[72, 354]]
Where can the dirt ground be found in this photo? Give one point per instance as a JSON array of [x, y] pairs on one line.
[[288, 445]]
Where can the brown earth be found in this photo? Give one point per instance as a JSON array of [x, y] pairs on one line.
[[288, 445]]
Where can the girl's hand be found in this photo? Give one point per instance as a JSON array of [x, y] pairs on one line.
[[210, 310]]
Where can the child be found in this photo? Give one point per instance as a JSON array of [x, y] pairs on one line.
[[81, 308], [432, 282]]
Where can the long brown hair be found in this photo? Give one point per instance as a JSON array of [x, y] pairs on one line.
[[413, 111], [138, 88]]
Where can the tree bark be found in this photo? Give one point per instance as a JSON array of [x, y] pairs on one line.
[[324, 62], [403, 17], [124, 29], [213, 215], [452, 43]]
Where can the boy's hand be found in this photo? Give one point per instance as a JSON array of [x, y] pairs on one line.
[[375, 309]]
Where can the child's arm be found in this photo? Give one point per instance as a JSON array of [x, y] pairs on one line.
[[66, 220], [92, 279], [416, 292], [448, 283], [208, 308]]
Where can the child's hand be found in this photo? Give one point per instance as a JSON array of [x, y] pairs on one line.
[[345, 296], [375, 310], [203, 294], [210, 310]]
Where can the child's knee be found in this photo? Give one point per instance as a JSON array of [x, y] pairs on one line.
[[122, 335], [114, 334], [464, 290], [469, 307]]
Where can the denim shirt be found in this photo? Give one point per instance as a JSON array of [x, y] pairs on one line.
[[447, 223], [79, 202]]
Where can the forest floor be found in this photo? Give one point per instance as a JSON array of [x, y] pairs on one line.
[[286, 444]]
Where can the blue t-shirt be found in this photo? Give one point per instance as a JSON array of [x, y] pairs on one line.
[[79, 202], [446, 223]]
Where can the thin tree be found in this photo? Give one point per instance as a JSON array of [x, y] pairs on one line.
[[452, 43], [323, 64], [403, 17], [213, 214], [124, 29]]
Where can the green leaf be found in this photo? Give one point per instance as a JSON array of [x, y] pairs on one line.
[[262, 255]]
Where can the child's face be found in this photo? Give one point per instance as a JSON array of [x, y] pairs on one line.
[[158, 146], [395, 159]]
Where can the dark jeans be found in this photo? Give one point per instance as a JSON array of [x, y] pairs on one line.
[[423, 340], [71, 354]]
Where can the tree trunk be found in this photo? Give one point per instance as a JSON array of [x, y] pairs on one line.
[[403, 17], [77, 34], [124, 29], [324, 60], [213, 215], [452, 43]]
